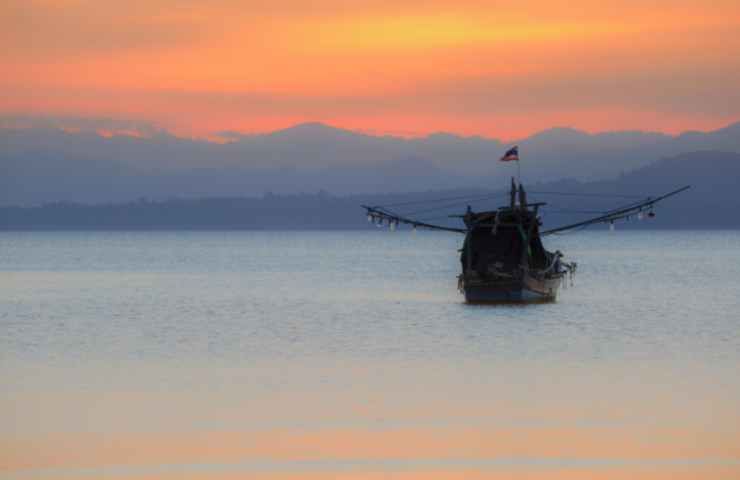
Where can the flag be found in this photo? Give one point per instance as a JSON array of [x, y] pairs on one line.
[[511, 154]]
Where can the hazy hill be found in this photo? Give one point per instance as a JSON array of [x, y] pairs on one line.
[[44, 164], [713, 202]]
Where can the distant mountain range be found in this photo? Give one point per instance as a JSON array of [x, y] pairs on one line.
[[712, 202], [42, 163]]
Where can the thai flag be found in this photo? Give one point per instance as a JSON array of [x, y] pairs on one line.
[[511, 155]]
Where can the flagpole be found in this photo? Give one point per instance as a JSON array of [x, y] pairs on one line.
[[512, 154]]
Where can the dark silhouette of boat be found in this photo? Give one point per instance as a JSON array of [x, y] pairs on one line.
[[502, 257]]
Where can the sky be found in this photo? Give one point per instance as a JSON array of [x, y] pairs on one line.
[[494, 68]]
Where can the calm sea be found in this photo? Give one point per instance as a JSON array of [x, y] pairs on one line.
[[277, 355]]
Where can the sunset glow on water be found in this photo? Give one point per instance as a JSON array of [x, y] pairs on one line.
[[300, 355]]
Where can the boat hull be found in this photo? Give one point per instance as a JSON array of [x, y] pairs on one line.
[[528, 290]]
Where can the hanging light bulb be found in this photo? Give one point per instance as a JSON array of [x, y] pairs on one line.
[[611, 226], [640, 215], [413, 229], [369, 218], [393, 226]]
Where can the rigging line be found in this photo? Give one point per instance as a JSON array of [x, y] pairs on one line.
[[615, 209], [385, 213], [438, 217], [413, 202], [453, 204], [599, 212], [629, 205], [570, 194], [620, 213], [573, 230], [393, 214], [422, 219], [403, 216], [566, 211]]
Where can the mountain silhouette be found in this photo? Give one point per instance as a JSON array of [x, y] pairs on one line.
[[46, 164]]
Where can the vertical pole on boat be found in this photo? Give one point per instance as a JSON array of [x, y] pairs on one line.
[[512, 194], [518, 171], [527, 250]]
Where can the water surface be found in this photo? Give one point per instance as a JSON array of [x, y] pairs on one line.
[[351, 355]]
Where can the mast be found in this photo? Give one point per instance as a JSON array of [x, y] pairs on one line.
[[522, 197], [513, 194]]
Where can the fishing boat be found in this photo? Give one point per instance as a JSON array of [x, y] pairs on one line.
[[503, 259]]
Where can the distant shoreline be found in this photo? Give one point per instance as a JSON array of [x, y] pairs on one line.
[[712, 203]]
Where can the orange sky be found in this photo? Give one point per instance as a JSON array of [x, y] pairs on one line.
[[497, 68]]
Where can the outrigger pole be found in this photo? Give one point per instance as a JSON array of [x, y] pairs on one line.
[[619, 213], [380, 214]]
